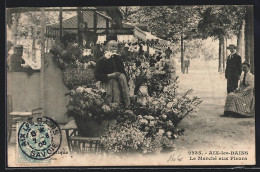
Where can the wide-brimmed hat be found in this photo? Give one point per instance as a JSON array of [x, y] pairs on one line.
[[231, 46], [246, 63], [18, 47]]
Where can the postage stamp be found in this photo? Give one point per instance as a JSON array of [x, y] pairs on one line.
[[38, 140]]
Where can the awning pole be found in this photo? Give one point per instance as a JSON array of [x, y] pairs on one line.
[[61, 28], [42, 74], [95, 24], [80, 21]]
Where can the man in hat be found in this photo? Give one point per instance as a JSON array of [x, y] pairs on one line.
[[233, 69], [15, 60]]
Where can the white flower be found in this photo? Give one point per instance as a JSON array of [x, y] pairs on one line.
[[80, 90], [149, 117], [155, 102], [169, 133], [164, 116], [102, 90], [161, 131], [106, 108], [129, 112], [169, 105], [143, 121], [169, 123], [88, 90], [151, 123]]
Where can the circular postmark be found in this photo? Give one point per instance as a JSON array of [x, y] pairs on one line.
[[40, 139]]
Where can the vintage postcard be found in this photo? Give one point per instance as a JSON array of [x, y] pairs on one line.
[[130, 86]]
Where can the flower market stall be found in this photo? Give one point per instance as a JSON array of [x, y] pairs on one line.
[[150, 123]]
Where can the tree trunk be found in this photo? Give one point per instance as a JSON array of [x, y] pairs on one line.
[[220, 52], [34, 43], [241, 41], [182, 53], [9, 18], [14, 30], [249, 37], [224, 53], [200, 51]]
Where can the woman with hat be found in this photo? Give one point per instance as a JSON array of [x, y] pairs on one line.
[[240, 102], [110, 71], [169, 64], [233, 69]]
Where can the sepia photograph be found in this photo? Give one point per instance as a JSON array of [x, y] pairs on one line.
[[130, 86]]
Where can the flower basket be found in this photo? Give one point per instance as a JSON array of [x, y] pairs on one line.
[[88, 127], [92, 113]]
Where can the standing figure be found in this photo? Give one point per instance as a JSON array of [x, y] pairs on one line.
[[15, 61], [186, 63], [169, 64], [233, 69], [110, 71]]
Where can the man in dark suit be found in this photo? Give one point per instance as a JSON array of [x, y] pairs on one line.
[[233, 69], [15, 60]]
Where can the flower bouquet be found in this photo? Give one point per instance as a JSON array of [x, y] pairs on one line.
[[90, 109]]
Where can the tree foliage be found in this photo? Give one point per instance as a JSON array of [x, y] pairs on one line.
[[169, 22], [29, 22], [128, 11], [221, 20]]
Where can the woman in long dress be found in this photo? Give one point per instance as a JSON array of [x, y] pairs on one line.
[[168, 64], [110, 71], [240, 102]]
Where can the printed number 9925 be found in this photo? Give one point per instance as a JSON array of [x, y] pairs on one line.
[[194, 152]]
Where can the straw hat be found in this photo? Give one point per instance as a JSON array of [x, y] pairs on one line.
[[231, 46]]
